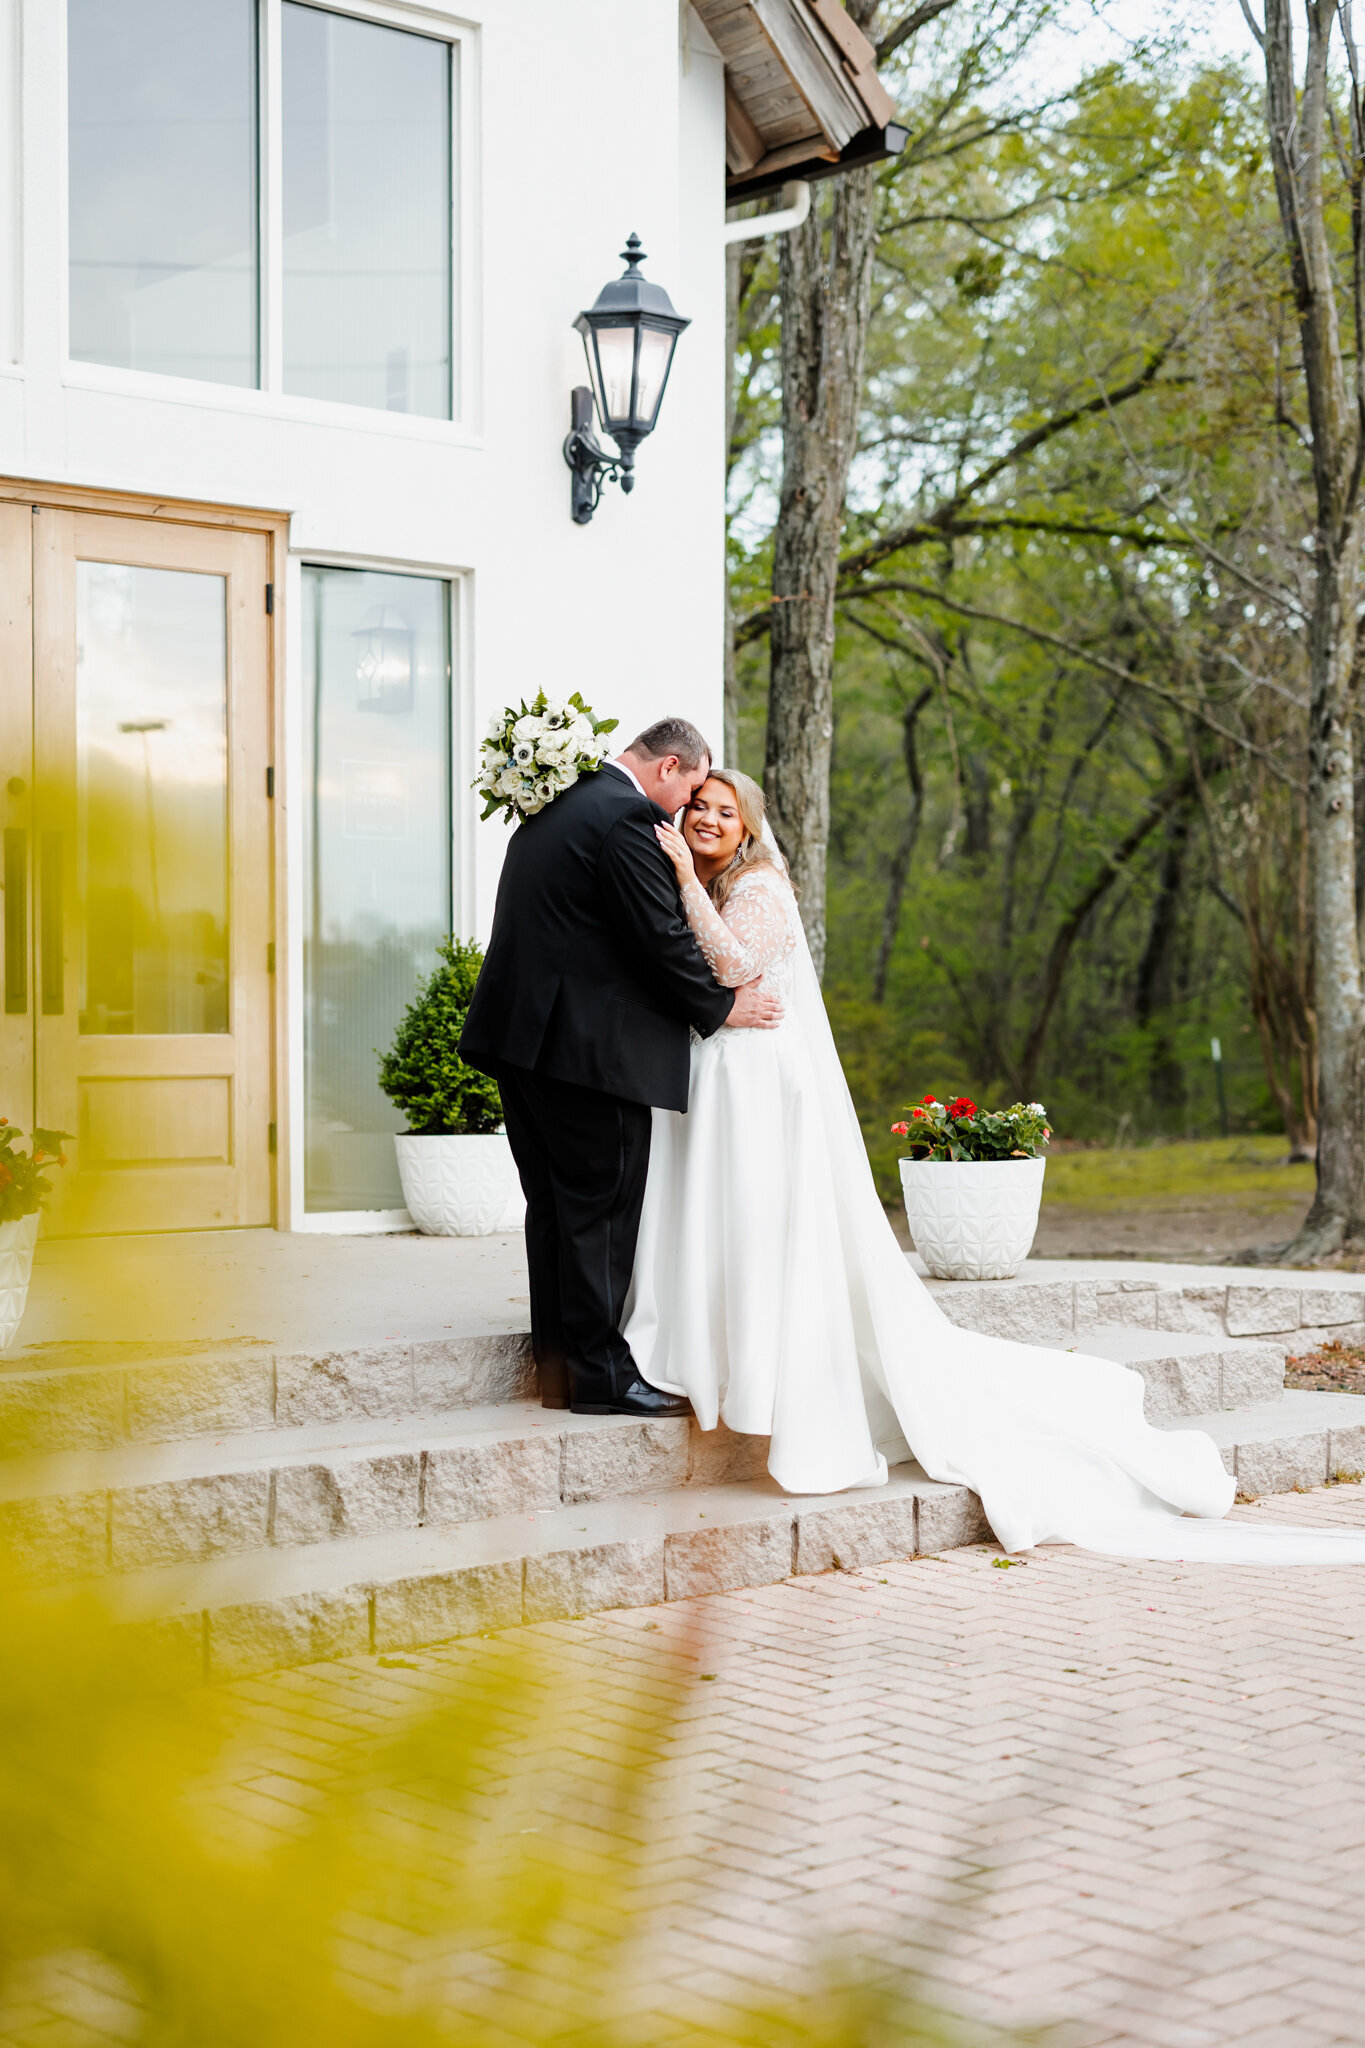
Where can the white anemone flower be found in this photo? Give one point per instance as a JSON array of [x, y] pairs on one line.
[[524, 753]]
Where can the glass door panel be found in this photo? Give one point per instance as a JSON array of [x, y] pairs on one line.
[[151, 773], [377, 663]]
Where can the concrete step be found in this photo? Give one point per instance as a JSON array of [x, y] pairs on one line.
[[76, 1514], [1053, 1301], [385, 1592], [95, 1396], [187, 1500], [393, 1588], [1191, 1375], [1301, 1440]]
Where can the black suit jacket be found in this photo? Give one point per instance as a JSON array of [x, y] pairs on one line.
[[592, 973]]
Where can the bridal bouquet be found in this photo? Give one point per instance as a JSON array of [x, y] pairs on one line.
[[533, 753], [959, 1130]]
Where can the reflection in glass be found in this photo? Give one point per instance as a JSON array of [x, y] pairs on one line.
[[367, 220], [162, 103], [152, 850], [377, 669]]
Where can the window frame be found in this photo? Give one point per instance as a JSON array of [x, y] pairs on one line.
[[269, 397], [463, 751]]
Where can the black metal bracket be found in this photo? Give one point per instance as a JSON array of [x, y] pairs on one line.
[[592, 466]]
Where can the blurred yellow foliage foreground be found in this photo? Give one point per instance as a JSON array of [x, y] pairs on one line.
[[460, 1878]]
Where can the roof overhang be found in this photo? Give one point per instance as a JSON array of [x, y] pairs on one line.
[[802, 95]]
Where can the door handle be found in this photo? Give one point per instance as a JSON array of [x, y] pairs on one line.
[[16, 921], [50, 924]]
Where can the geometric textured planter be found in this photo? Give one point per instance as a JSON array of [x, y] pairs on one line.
[[972, 1219], [460, 1186], [16, 1264]]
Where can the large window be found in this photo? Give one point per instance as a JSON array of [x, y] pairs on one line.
[[366, 213], [163, 186], [174, 177], [377, 662]]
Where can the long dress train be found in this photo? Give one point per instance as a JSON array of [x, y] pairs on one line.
[[770, 1289]]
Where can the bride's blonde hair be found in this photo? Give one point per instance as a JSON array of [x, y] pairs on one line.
[[751, 851]]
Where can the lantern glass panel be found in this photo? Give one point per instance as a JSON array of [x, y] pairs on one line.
[[656, 353], [616, 357]]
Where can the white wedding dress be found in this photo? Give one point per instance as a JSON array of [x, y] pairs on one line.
[[770, 1290]]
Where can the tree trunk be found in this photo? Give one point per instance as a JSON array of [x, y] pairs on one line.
[[900, 859], [730, 737], [1299, 143], [1155, 985], [826, 293]]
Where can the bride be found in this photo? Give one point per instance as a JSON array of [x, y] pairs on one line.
[[770, 1290]]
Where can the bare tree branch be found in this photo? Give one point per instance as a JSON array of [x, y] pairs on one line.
[[1252, 23], [918, 18], [1129, 677]]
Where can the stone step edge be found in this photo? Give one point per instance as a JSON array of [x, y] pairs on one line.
[[173, 1395], [140, 1462], [87, 1514], [170, 1397], [1305, 1439], [1191, 1372], [637, 1554]]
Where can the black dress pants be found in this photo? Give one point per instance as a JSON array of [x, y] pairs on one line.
[[582, 1157]]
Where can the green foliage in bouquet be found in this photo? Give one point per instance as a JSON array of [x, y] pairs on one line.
[[24, 1186], [959, 1130], [423, 1074], [533, 753]]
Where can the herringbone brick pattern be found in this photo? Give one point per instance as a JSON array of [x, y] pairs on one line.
[[1124, 1799]]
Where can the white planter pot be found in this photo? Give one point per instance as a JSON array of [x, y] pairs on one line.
[[16, 1264], [972, 1219], [460, 1187]]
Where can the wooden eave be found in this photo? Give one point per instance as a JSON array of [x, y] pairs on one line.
[[802, 95]]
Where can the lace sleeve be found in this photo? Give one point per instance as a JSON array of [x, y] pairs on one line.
[[741, 945]]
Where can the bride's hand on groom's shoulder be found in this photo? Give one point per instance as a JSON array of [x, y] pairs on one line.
[[678, 851], [755, 1009]]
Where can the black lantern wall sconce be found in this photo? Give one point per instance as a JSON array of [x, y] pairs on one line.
[[629, 336]]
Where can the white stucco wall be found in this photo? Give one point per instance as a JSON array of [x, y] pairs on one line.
[[581, 120]]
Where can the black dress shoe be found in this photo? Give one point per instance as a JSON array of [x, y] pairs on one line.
[[638, 1399]]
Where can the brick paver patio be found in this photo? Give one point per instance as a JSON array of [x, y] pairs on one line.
[[1126, 1796], [1127, 1799]]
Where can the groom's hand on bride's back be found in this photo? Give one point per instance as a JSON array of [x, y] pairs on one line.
[[754, 1009]]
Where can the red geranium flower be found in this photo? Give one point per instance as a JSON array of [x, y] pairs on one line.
[[963, 1107], [917, 1112], [932, 1101], [900, 1130]]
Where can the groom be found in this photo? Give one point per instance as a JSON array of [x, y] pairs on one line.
[[581, 1013]]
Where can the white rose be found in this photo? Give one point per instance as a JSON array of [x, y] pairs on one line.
[[528, 728], [582, 728], [529, 804], [566, 777]]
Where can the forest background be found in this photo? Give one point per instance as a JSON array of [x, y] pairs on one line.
[[1067, 840]]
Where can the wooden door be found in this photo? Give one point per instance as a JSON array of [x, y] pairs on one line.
[[150, 872]]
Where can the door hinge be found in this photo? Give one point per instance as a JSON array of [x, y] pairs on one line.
[[269, 597], [270, 1129], [270, 780], [270, 957]]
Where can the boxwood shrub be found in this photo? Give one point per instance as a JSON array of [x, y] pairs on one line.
[[422, 1074]]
